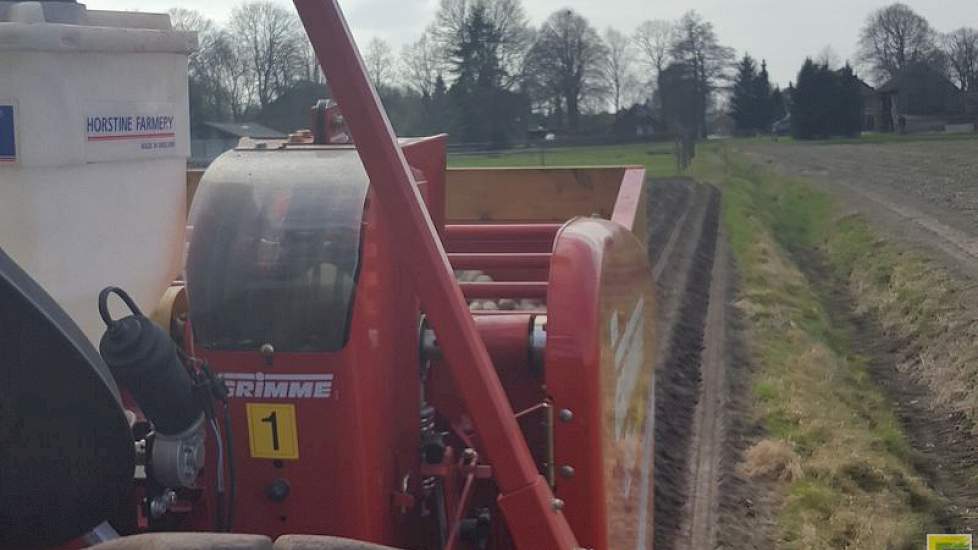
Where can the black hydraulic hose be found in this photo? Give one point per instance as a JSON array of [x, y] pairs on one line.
[[103, 304]]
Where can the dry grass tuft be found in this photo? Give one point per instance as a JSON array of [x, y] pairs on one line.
[[774, 460]]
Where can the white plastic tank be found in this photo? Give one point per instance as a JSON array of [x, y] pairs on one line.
[[94, 138]]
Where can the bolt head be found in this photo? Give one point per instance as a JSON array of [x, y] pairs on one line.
[[567, 471], [566, 415], [278, 490], [557, 504]]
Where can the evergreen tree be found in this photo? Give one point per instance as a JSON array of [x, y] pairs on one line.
[[826, 103], [488, 113], [851, 105], [743, 104], [826, 94], [763, 112], [803, 102], [752, 106], [779, 106], [440, 114]]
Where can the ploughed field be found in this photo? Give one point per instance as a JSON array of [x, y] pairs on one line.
[[941, 174], [922, 192]]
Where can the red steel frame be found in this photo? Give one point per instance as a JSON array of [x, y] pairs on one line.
[[534, 518]]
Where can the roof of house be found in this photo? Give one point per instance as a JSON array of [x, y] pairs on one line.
[[912, 73], [247, 129], [866, 88]]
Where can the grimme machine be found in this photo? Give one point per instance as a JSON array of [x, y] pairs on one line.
[[367, 350]]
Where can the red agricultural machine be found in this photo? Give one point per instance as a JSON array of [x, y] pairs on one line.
[[367, 349]]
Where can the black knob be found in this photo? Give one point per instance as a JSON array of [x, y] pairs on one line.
[[433, 449], [278, 490]]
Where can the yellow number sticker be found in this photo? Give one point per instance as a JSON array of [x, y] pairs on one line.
[[272, 432]]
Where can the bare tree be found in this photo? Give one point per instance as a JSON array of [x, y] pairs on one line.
[[421, 65], [378, 57], [961, 51], [569, 55], [829, 57], [271, 40], [678, 88], [183, 19], [654, 40], [311, 70], [215, 93], [508, 22], [621, 58], [230, 74], [893, 38], [695, 47]]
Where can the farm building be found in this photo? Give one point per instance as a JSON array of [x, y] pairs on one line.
[[870, 106], [917, 98]]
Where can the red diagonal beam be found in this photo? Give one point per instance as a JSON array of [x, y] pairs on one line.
[[525, 497]]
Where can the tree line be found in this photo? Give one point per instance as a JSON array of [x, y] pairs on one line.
[[479, 71], [828, 100]]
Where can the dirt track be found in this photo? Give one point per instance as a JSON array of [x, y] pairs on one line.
[[691, 268], [708, 436]]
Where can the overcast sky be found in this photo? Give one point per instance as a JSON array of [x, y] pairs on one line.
[[781, 31]]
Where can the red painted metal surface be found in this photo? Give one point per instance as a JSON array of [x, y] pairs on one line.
[[598, 367], [355, 446], [631, 195], [498, 238], [429, 155], [507, 338], [374, 376], [519, 246], [525, 498]]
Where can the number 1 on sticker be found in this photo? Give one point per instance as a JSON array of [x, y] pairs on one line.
[[272, 431], [271, 419]]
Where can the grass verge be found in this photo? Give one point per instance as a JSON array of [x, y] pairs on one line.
[[833, 446], [656, 157]]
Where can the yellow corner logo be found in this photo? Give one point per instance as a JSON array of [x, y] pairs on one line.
[[949, 542]]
